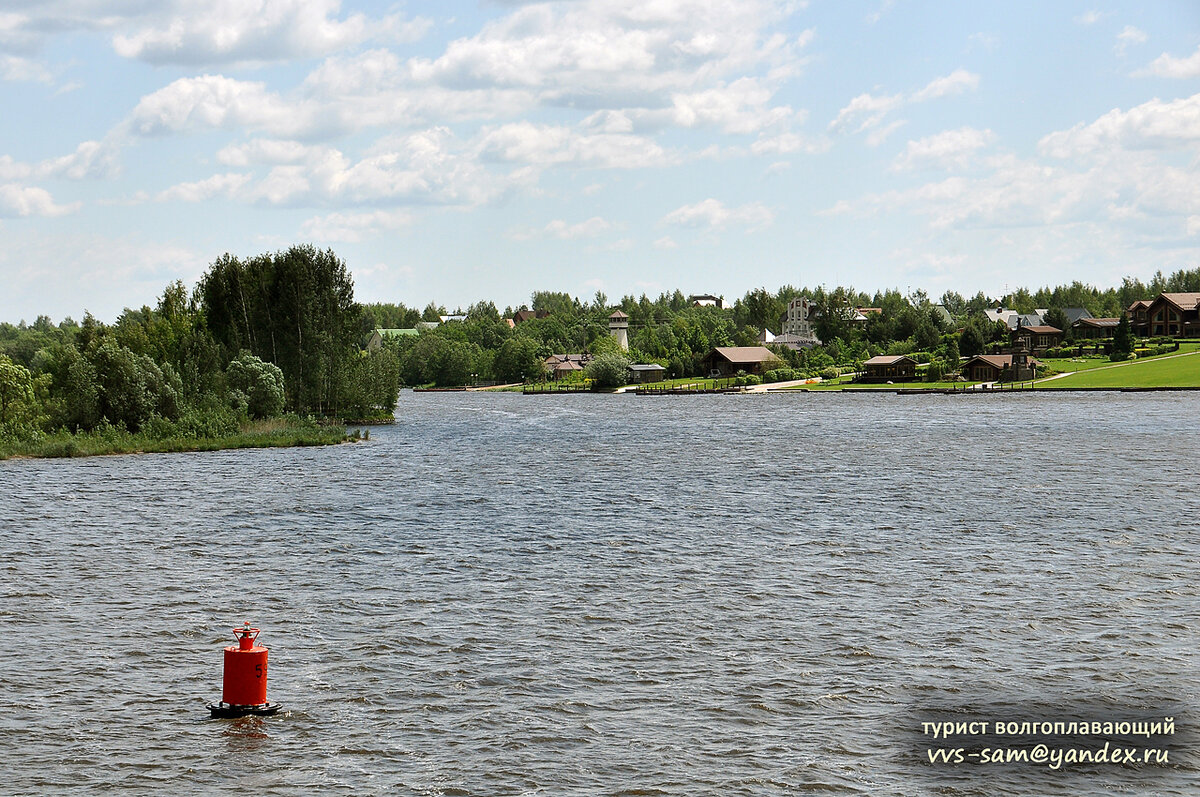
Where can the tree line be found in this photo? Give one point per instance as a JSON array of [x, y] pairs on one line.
[[282, 332], [673, 332], [256, 338]]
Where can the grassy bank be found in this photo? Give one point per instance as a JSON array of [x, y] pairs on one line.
[[1166, 371], [271, 433]]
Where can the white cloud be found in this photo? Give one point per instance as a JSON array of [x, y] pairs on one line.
[[1091, 17], [18, 201], [232, 31], [788, 143], [353, 227], [16, 69], [1154, 124], [867, 110], [956, 82], [547, 145], [616, 53], [266, 150], [878, 14], [951, 149], [187, 33], [584, 229], [563, 230], [741, 107], [713, 214], [90, 159], [666, 242], [1166, 65], [214, 101], [219, 185], [1128, 36], [879, 135]]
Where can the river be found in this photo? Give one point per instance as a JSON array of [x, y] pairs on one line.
[[614, 595]]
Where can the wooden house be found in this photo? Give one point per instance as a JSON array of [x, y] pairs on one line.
[[885, 367], [728, 360]]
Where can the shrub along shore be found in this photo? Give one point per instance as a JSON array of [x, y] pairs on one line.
[[271, 433]]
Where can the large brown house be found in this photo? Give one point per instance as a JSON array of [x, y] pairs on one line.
[[1174, 315], [728, 360]]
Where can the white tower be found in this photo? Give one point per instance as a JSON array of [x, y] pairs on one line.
[[618, 327]]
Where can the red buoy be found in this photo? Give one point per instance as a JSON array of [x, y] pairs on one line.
[[244, 687]]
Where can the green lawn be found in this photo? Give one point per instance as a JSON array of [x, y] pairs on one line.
[[1064, 365], [1168, 371]]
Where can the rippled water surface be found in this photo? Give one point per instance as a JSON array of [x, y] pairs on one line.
[[602, 595]]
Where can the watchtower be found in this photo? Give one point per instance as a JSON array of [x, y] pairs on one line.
[[618, 327]]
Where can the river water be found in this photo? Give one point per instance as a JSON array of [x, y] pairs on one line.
[[614, 595]]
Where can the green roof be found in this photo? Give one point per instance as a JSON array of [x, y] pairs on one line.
[[395, 333]]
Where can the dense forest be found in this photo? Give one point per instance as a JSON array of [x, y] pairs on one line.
[[281, 333], [257, 338]]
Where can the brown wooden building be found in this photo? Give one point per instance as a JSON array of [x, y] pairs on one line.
[[1037, 338], [1174, 315], [1139, 319], [897, 368], [1094, 328], [986, 367], [728, 360]]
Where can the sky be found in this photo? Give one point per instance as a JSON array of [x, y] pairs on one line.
[[485, 149]]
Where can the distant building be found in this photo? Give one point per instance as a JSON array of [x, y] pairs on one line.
[[861, 314], [793, 342], [1074, 314], [618, 327], [375, 341], [707, 300], [796, 324], [1010, 317], [560, 366], [527, 315]]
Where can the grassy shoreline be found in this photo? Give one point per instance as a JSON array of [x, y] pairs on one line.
[[271, 433]]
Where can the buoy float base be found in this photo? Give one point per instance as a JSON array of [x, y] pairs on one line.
[[226, 710]]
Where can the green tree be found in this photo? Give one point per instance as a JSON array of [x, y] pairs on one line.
[[256, 386], [294, 308], [1055, 317], [608, 370], [18, 402], [972, 341], [518, 358], [1123, 337]]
